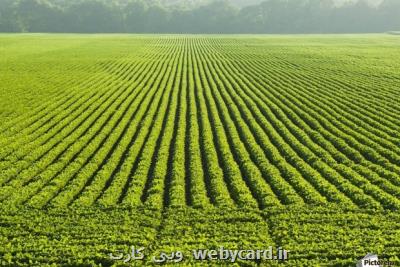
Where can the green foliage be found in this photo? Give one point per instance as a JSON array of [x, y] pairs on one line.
[[86, 237], [198, 141]]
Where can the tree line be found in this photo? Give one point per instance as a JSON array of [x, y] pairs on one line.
[[140, 16]]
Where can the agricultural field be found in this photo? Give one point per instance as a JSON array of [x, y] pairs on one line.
[[185, 142]]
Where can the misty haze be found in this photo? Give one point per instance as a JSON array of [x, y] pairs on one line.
[[201, 16]]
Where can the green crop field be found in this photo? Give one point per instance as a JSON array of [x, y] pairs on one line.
[[185, 142]]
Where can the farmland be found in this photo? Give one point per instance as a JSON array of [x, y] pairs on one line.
[[181, 142]]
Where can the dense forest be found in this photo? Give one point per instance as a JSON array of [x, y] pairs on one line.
[[203, 16]]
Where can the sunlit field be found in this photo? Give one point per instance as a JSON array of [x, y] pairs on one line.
[[185, 142]]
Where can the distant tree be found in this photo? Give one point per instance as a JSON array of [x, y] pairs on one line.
[[197, 16], [217, 17], [39, 16], [8, 14], [389, 12], [156, 20], [135, 16], [94, 17]]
